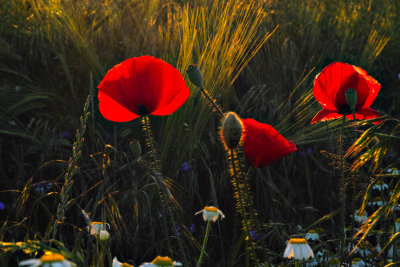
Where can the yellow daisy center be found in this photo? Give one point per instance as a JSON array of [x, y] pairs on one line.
[[97, 223], [163, 261], [398, 220], [297, 241], [312, 232], [52, 257], [380, 182], [211, 208], [356, 259]]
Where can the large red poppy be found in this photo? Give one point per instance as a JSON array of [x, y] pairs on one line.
[[140, 86], [263, 144], [329, 90]]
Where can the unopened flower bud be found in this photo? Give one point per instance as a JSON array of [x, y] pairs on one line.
[[195, 75], [135, 147], [351, 98], [232, 130], [104, 235]]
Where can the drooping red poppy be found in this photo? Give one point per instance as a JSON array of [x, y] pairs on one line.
[[329, 90], [140, 86], [263, 144]]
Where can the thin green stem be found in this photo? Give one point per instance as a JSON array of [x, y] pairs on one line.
[[145, 122], [203, 248], [212, 102], [343, 192]]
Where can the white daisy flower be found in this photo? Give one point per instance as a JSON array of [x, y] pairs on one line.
[[49, 259], [116, 263], [312, 235], [380, 185], [360, 217], [161, 262], [397, 225], [298, 249], [211, 213], [377, 201], [96, 227]]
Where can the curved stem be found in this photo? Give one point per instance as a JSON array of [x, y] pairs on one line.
[[203, 248], [212, 102]]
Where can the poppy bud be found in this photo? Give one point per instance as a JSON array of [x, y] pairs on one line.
[[135, 147], [232, 130], [195, 75], [351, 98]]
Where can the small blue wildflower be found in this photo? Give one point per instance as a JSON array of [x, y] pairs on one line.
[[253, 235], [302, 154], [309, 151], [185, 167], [398, 75], [192, 228], [2, 206], [42, 186], [66, 135]]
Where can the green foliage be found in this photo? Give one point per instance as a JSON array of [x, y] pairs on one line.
[[258, 58]]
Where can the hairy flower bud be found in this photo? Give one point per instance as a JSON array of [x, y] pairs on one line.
[[195, 75], [232, 130]]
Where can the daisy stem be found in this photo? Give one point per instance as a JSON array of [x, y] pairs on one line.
[[212, 102], [343, 192], [203, 248], [297, 263]]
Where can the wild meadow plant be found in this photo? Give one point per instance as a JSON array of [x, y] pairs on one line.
[[140, 185]]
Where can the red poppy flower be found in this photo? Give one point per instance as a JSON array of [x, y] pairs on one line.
[[329, 90], [263, 144], [140, 86]]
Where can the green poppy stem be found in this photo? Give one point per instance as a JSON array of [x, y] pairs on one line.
[[212, 102], [203, 248], [149, 140], [342, 193]]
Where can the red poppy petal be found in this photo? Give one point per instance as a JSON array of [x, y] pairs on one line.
[[326, 114], [366, 114], [336, 78], [112, 110], [146, 82], [374, 88], [263, 144]]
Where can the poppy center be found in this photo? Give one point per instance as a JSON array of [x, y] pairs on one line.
[[345, 110], [143, 111]]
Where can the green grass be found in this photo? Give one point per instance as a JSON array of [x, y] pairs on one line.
[[258, 59]]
